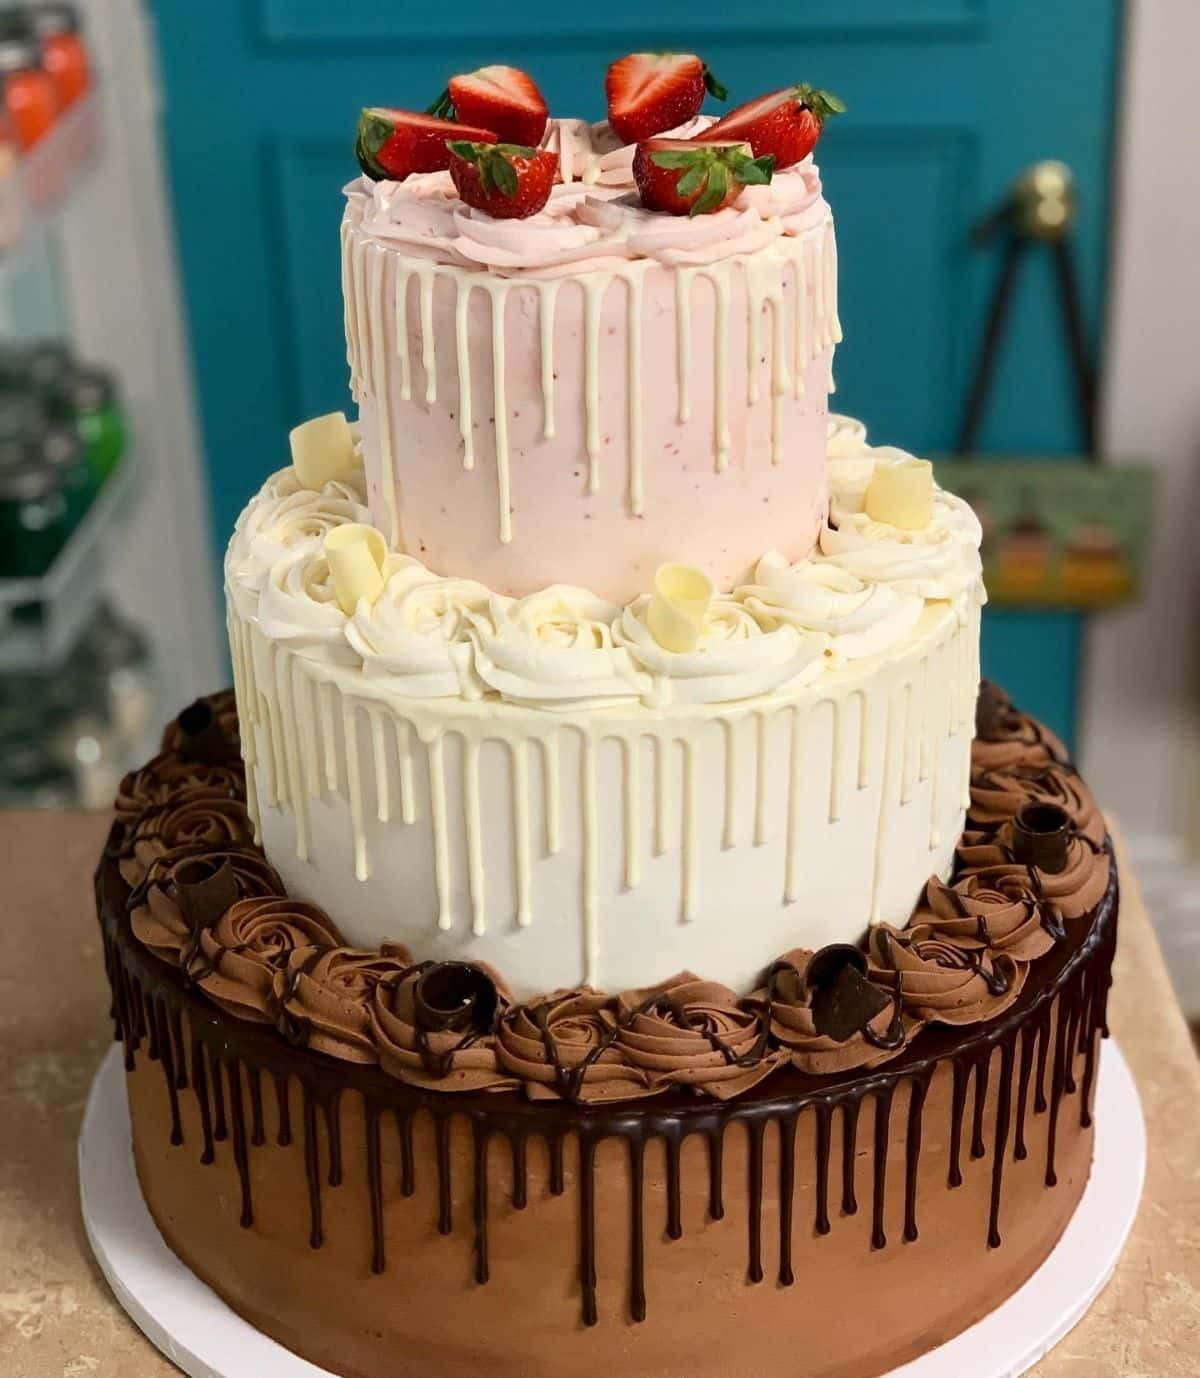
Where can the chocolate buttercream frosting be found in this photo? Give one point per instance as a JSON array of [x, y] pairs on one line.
[[833, 1019], [160, 781], [563, 1047], [689, 1032], [324, 997], [940, 981], [999, 907], [996, 795], [236, 959], [1075, 890], [196, 813], [460, 1055], [161, 911], [1005, 737]]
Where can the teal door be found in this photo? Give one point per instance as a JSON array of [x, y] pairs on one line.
[[949, 100]]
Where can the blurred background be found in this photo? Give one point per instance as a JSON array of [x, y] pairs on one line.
[[170, 306]]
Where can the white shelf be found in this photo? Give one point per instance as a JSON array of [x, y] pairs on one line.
[[63, 599]]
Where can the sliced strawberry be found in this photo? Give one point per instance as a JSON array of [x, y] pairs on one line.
[[393, 144], [501, 98], [683, 178], [509, 181], [650, 92], [786, 123]]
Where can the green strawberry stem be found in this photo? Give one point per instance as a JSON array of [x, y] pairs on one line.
[[496, 172], [713, 86], [821, 103], [443, 107], [708, 171]]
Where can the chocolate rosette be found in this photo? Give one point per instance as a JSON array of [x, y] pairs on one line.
[[324, 996], [1006, 738], [160, 781], [997, 908], [563, 1047], [189, 888], [234, 961], [197, 815], [829, 1015], [689, 1032], [435, 1025], [939, 981], [998, 795]]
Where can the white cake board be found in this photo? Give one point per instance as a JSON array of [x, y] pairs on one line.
[[198, 1332]]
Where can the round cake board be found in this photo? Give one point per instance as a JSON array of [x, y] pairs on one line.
[[199, 1333]]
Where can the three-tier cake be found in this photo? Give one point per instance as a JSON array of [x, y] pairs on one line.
[[606, 931]]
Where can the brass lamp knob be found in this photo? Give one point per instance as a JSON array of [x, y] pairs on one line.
[[1045, 200]]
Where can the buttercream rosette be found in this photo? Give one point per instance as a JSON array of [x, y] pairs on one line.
[[158, 910], [813, 1046], [160, 781], [937, 561], [555, 649], [196, 814], [417, 634], [446, 1059], [235, 960], [858, 618], [689, 1032], [995, 908], [737, 656], [941, 982], [563, 1047], [1005, 737], [997, 795], [323, 998], [283, 516], [1074, 890]]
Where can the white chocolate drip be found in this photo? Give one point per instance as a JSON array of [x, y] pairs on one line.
[[387, 755]]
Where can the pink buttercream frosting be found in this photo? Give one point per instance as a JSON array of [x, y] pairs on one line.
[[593, 214]]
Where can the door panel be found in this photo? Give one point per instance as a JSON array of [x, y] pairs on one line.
[[949, 100]]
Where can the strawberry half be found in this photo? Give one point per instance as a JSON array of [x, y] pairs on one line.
[[509, 181], [650, 92], [393, 144], [501, 98], [682, 178], [786, 123]]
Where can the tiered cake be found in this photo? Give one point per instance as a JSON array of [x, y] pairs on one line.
[[596, 893]]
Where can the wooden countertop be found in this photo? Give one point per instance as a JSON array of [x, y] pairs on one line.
[[59, 1320]]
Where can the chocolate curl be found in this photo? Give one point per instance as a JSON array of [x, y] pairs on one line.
[[843, 1000], [201, 737], [322, 449], [1041, 835], [455, 997], [991, 710], [900, 493], [356, 553], [204, 894], [678, 607]]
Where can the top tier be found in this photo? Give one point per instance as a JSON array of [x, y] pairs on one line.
[[582, 395]]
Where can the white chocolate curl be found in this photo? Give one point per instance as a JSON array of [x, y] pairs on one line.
[[682, 595], [323, 449], [900, 494], [356, 553]]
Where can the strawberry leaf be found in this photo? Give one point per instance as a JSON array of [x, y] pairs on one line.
[[679, 157], [504, 175], [443, 107], [821, 103], [714, 193], [712, 85], [692, 180], [753, 171], [467, 151]]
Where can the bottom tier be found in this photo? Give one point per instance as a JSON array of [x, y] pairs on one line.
[[812, 1227]]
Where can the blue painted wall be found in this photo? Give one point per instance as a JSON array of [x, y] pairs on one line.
[[949, 100]]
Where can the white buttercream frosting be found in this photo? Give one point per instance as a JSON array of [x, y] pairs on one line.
[[860, 595]]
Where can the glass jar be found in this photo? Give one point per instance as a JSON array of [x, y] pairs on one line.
[[30, 96], [87, 398], [62, 449], [64, 53]]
